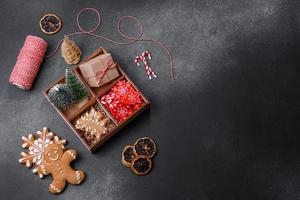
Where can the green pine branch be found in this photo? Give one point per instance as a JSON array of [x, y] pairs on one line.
[[74, 83]]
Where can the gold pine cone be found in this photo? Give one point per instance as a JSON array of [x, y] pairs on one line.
[[70, 51]]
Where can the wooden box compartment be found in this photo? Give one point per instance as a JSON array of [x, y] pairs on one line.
[[75, 111]]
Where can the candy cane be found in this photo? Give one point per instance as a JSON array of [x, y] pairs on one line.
[[144, 55], [137, 59], [148, 68]]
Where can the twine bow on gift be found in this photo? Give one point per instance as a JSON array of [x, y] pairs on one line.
[[101, 73], [148, 68]]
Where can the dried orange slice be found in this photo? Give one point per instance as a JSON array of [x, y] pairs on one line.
[[145, 147], [50, 24], [127, 155], [141, 165]]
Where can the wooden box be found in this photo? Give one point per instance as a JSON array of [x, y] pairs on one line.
[[76, 110]]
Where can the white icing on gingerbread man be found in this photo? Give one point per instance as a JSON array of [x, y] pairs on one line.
[[57, 163]]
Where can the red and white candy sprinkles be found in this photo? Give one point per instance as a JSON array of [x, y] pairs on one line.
[[28, 62], [122, 100], [148, 68]]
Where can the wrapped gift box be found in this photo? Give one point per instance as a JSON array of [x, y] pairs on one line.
[[95, 94], [99, 70]]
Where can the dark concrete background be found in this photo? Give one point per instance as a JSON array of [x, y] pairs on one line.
[[227, 128]]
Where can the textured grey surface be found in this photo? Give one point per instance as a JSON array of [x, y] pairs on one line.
[[227, 128]]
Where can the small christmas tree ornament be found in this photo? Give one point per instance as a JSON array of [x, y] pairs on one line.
[[74, 83], [61, 96], [70, 51]]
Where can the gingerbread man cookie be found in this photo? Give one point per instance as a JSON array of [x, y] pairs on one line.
[[48, 153]]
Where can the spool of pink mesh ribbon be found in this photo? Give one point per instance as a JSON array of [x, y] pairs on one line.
[[28, 62]]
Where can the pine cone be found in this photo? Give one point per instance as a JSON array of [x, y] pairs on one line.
[[70, 51]]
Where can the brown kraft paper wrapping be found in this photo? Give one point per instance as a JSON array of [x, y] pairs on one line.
[[93, 69]]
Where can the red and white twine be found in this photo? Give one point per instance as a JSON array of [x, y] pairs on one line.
[[130, 39], [28, 62]]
